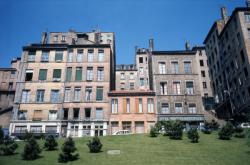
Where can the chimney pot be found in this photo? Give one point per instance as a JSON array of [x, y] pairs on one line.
[[224, 14], [187, 45], [151, 44]]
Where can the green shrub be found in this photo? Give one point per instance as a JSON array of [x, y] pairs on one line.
[[207, 128], [214, 125], [226, 132], [176, 130], [68, 151], [50, 143], [95, 145], [153, 132], [248, 137], [193, 135], [1, 135], [28, 135], [31, 150], [239, 132], [8, 147]]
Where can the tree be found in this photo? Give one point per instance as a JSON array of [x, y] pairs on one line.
[[226, 132], [50, 143], [176, 130], [239, 132], [153, 132], [8, 147], [207, 128], [31, 150], [193, 135], [68, 151], [95, 145], [1, 135]]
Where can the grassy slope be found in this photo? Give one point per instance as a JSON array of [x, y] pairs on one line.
[[143, 150]]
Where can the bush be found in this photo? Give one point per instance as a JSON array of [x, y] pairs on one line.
[[31, 150], [68, 151], [153, 132], [8, 147], [95, 145], [207, 128], [1, 135], [239, 132], [27, 136], [226, 132], [50, 143], [176, 130], [214, 125], [193, 135]]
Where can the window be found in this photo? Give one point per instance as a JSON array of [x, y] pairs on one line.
[[162, 68], [77, 94], [140, 105], [87, 113], [131, 86], [191, 108], [63, 38], [242, 56], [163, 86], [22, 115], [52, 115], [56, 74], [99, 113], [178, 107], [99, 93], [203, 74], [59, 56], [177, 87], [54, 96], [20, 129], [100, 74], [89, 73], [88, 93], [238, 38], [247, 17], [67, 95], [245, 72], [165, 108], [31, 56], [28, 75], [76, 113], [114, 106], [36, 129], [10, 85], [78, 74], [150, 105], [13, 74], [42, 74], [131, 76], [50, 129], [122, 86], [141, 70], [40, 95], [79, 56], [90, 55], [69, 74], [141, 82], [127, 108], [190, 87], [175, 67], [45, 56], [70, 55], [122, 76], [204, 85], [201, 63], [187, 67], [140, 60], [100, 55], [56, 38], [25, 96]]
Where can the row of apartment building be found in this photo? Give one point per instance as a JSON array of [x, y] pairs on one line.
[[69, 83]]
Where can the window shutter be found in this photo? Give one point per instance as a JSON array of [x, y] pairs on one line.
[[42, 74], [136, 105], [124, 105]]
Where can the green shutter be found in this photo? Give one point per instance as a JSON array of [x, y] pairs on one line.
[[42, 74], [78, 74], [69, 74], [57, 73], [99, 94], [59, 56]]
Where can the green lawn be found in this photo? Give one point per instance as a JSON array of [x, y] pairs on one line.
[[143, 150]]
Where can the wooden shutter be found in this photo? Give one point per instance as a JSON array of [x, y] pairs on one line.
[[136, 105], [124, 105]]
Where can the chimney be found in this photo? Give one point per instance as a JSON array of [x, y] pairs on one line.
[[151, 44], [187, 45], [224, 16], [248, 3], [44, 38]]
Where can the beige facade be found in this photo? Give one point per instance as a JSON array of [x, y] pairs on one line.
[[228, 51]]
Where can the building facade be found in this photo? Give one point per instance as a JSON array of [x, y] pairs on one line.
[[63, 85], [228, 52]]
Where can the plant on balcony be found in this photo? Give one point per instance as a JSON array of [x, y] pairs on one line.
[[239, 132], [193, 135], [68, 151], [1, 135], [153, 132], [176, 130], [8, 146], [95, 145], [50, 143], [207, 128], [31, 150], [226, 132]]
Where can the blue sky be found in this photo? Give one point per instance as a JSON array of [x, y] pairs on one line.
[[169, 22]]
